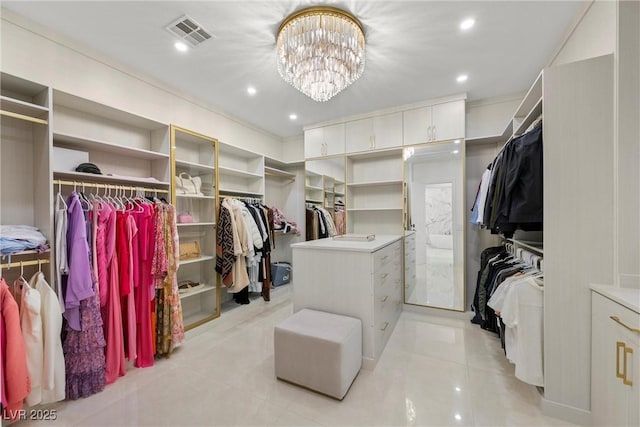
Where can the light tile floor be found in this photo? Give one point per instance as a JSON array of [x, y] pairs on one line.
[[434, 371]]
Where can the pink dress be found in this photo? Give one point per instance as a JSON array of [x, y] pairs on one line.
[[112, 311], [143, 253]]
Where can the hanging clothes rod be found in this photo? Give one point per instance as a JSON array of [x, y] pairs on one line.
[[23, 117], [24, 263], [109, 186], [250, 200]]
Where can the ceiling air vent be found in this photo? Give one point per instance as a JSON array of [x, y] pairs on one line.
[[189, 30]]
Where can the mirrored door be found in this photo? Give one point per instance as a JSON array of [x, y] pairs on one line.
[[434, 223]]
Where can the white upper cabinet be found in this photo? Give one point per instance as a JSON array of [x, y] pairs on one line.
[[440, 122], [359, 135], [416, 126], [447, 121], [324, 141], [313, 143], [374, 133], [387, 131]]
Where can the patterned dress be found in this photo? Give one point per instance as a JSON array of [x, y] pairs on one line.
[[164, 268]]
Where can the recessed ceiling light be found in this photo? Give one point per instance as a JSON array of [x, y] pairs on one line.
[[293, 116], [251, 90], [467, 24], [455, 151], [462, 78], [458, 417], [457, 141], [180, 46]]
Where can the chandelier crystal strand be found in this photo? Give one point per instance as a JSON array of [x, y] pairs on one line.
[[321, 51]]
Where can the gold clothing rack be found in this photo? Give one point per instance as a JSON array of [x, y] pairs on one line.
[[8, 265], [109, 186]]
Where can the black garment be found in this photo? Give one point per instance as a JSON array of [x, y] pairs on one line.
[[242, 297], [491, 191], [485, 256], [520, 201]]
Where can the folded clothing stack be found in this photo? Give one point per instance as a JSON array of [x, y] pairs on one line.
[[18, 238]]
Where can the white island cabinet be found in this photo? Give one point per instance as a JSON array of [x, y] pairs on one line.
[[615, 356], [352, 278]]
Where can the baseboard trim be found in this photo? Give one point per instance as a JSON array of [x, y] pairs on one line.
[[565, 412]]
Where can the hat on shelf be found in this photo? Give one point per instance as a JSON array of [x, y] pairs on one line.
[[88, 168]]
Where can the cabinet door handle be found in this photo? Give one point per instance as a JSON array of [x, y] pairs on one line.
[[373, 141], [619, 345], [618, 321], [384, 276], [385, 326], [625, 380], [385, 298], [433, 133]]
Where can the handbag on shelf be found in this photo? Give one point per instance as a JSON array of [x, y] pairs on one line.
[[185, 218], [189, 250], [187, 184]]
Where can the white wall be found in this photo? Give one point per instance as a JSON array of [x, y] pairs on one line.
[[595, 34], [34, 53], [293, 149], [288, 196]]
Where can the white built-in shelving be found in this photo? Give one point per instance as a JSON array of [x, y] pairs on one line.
[[241, 172], [25, 186], [374, 192], [194, 154]]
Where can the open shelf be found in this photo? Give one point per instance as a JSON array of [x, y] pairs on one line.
[[190, 196], [238, 172], [269, 171], [232, 193], [530, 118], [81, 143], [194, 260], [23, 108], [206, 288], [374, 183], [197, 317], [313, 187], [195, 167], [313, 201], [107, 179], [373, 209], [196, 224], [531, 98]]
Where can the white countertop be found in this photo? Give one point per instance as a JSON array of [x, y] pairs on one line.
[[379, 242], [627, 297]]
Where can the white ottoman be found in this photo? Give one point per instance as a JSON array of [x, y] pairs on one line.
[[318, 350]]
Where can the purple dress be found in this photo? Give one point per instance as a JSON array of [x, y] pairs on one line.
[[83, 348]]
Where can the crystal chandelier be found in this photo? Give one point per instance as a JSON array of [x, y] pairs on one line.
[[320, 51]]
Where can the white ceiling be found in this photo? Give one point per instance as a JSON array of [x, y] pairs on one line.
[[415, 50]]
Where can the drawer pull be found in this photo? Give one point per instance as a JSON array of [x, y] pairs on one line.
[[625, 381], [385, 326], [619, 374], [384, 276], [617, 320], [385, 298]]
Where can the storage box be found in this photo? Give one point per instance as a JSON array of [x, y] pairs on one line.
[[65, 159], [280, 273]]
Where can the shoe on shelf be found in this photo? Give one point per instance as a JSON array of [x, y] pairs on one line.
[[187, 286]]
